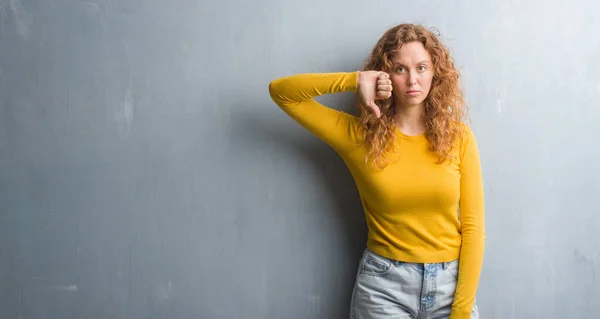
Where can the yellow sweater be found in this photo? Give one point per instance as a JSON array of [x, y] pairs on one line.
[[412, 206]]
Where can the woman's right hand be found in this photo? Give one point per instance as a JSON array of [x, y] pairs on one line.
[[373, 85]]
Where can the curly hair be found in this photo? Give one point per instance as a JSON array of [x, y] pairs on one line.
[[444, 106]]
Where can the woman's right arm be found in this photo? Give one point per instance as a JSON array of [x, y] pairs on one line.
[[295, 96]]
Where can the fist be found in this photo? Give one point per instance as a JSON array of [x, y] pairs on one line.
[[374, 85]]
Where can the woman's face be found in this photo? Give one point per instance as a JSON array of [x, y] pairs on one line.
[[411, 74]]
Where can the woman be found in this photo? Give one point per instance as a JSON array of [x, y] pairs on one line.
[[417, 169]]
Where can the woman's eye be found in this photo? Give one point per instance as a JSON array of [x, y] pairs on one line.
[[422, 68]]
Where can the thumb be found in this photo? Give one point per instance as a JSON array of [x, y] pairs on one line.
[[375, 109]]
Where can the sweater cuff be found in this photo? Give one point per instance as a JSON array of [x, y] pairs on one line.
[[351, 84], [460, 314]]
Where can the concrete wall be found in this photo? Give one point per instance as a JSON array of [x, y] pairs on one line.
[[145, 173]]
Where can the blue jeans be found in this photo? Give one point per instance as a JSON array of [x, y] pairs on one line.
[[387, 288]]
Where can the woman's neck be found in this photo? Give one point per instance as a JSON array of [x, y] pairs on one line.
[[410, 120]]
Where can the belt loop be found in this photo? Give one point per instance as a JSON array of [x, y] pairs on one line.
[[444, 265]]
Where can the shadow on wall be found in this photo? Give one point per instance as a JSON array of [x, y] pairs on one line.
[[275, 133]]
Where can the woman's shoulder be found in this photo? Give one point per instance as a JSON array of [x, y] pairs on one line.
[[467, 138], [353, 124]]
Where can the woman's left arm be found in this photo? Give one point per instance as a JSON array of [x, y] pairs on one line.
[[472, 219]]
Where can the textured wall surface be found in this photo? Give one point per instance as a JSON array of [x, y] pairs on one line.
[[145, 173]]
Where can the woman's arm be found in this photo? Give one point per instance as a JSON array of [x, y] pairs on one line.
[[473, 227], [295, 96]]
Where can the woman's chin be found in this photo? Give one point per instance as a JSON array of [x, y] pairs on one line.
[[410, 103]]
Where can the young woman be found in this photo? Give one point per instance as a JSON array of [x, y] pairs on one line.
[[417, 169]]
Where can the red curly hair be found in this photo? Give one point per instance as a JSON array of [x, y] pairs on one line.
[[444, 110]]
